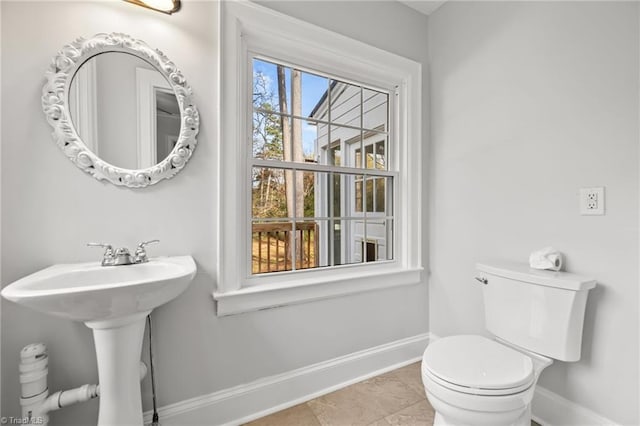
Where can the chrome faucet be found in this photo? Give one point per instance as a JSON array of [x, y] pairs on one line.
[[140, 255], [122, 256], [108, 259]]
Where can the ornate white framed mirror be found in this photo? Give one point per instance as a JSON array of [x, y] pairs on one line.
[[120, 110]]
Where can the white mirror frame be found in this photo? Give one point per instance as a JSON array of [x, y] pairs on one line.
[[55, 104]]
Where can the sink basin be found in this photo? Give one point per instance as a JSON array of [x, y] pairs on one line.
[[90, 292], [114, 302]]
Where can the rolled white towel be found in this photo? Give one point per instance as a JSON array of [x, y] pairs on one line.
[[546, 258]]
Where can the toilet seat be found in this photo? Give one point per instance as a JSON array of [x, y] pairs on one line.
[[477, 365]]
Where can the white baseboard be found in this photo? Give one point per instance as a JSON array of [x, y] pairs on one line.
[[253, 400], [551, 409]]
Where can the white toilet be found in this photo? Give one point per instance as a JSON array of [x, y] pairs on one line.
[[535, 316]]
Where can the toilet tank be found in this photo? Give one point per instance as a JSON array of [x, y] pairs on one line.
[[541, 311]]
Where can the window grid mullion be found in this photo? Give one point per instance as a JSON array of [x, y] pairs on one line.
[[312, 167], [350, 218], [363, 157], [294, 181], [331, 225], [315, 120], [330, 213]]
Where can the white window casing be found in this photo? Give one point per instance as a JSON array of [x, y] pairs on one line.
[[246, 30]]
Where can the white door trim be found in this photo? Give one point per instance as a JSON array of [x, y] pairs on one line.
[[147, 81]]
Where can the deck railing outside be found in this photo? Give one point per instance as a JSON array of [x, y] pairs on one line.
[[271, 246]]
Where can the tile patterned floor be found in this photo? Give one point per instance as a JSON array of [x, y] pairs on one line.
[[395, 398]]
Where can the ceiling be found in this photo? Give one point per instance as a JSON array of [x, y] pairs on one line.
[[423, 6]]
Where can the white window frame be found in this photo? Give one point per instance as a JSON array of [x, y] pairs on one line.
[[247, 28]]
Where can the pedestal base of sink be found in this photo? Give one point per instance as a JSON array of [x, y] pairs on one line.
[[89, 292], [118, 349]]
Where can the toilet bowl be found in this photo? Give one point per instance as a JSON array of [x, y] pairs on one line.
[[472, 380], [534, 317]]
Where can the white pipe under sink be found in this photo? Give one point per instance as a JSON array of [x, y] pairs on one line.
[[35, 399]]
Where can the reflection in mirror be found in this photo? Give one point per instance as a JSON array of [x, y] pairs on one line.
[[124, 110], [167, 122]]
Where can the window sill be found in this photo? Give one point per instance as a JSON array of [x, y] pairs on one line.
[[274, 295]]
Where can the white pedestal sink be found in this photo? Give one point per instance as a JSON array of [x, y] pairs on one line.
[[113, 301]]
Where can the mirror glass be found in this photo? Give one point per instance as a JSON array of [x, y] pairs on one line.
[[124, 110]]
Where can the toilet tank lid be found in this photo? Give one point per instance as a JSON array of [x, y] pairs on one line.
[[522, 272]]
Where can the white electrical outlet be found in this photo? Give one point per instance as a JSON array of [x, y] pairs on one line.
[[592, 201]]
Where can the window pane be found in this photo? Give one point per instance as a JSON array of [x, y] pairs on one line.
[[373, 245], [277, 247], [279, 193], [348, 135], [369, 250], [356, 239], [314, 94], [368, 201], [271, 246], [358, 195], [268, 193], [307, 243], [335, 194], [306, 191], [387, 253], [345, 147], [374, 148], [345, 241], [380, 194], [271, 86], [322, 145], [334, 157], [351, 139], [358, 158], [306, 138], [335, 243], [375, 195], [345, 104], [375, 110], [380, 156], [370, 160], [323, 194], [268, 136]]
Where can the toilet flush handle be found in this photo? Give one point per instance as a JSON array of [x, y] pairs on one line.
[[483, 280]]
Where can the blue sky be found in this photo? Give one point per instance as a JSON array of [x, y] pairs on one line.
[[313, 87]]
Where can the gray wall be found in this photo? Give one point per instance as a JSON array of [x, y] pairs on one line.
[[530, 102], [51, 209]]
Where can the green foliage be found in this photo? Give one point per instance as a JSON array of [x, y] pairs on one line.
[[269, 187], [309, 195], [268, 195]]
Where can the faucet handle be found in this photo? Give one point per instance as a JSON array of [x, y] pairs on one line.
[[140, 256], [105, 245], [108, 258], [146, 243]]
